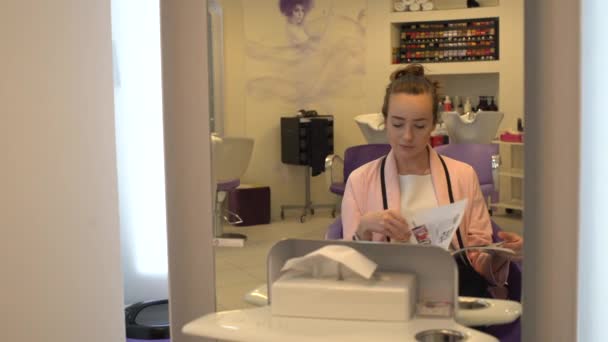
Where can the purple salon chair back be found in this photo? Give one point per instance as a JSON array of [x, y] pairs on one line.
[[479, 156], [356, 156], [359, 155]]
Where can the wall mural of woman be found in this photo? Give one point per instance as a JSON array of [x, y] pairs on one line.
[[318, 55]]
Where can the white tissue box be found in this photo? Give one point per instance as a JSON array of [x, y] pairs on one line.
[[384, 297]]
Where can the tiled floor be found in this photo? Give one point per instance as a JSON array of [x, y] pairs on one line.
[[239, 270]]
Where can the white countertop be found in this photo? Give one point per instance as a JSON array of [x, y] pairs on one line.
[[258, 324], [497, 312]]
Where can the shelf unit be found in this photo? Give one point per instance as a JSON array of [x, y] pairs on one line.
[[511, 175], [466, 40], [510, 172], [440, 15], [513, 204], [503, 78]]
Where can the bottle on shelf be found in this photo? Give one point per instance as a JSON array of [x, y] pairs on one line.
[[483, 103], [492, 105], [520, 125], [468, 108], [447, 104]]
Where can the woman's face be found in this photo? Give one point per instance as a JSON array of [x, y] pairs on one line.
[[297, 15], [409, 123]]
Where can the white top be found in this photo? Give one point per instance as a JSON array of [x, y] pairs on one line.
[[417, 193], [259, 325]]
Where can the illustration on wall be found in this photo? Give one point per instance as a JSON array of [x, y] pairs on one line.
[[305, 53]]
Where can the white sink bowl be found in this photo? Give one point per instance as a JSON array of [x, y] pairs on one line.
[[481, 128], [372, 127], [231, 156]]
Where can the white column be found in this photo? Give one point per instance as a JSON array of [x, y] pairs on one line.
[[552, 163], [593, 271], [59, 231], [187, 162]]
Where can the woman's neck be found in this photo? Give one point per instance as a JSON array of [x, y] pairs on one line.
[[417, 165]]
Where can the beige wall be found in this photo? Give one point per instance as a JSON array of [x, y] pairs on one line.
[[261, 120], [552, 170], [60, 248], [234, 68]]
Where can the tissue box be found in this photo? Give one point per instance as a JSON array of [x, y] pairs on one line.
[[384, 297]]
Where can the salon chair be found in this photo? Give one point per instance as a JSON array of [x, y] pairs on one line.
[[354, 156], [230, 156], [479, 156], [476, 128]]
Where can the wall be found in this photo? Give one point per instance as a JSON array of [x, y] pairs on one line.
[[552, 164], [234, 68], [260, 120], [187, 155], [60, 248], [593, 274]]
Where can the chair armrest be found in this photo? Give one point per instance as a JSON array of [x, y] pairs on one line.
[[335, 165]]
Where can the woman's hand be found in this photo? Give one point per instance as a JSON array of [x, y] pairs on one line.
[[512, 241], [387, 222]]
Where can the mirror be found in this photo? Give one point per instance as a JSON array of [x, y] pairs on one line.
[[271, 59]]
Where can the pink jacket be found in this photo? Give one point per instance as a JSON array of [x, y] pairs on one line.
[[363, 194]]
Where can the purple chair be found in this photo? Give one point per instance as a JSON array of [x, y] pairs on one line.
[[479, 156], [223, 188], [354, 157]]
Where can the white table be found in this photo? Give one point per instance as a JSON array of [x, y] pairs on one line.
[[258, 324]]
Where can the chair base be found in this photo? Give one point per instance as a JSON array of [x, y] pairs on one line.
[[308, 209], [232, 236]]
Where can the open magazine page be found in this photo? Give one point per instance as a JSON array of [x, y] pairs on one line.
[[436, 226]]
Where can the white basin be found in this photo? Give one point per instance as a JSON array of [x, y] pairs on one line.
[[481, 128], [231, 156], [372, 127]]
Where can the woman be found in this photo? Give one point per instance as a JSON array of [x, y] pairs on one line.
[[415, 177], [295, 11]]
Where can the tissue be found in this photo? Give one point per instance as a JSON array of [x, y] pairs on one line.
[[338, 282]]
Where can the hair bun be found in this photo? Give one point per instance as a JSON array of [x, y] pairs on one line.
[[415, 70]]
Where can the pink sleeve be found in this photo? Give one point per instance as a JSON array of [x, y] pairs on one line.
[[479, 232], [351, 213]]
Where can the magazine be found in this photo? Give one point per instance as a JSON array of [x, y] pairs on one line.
[[437, 226]]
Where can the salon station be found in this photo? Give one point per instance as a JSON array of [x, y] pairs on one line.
[[315, 170]]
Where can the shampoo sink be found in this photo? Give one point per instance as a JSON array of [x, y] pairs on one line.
[[478, 128], [372, 127]]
